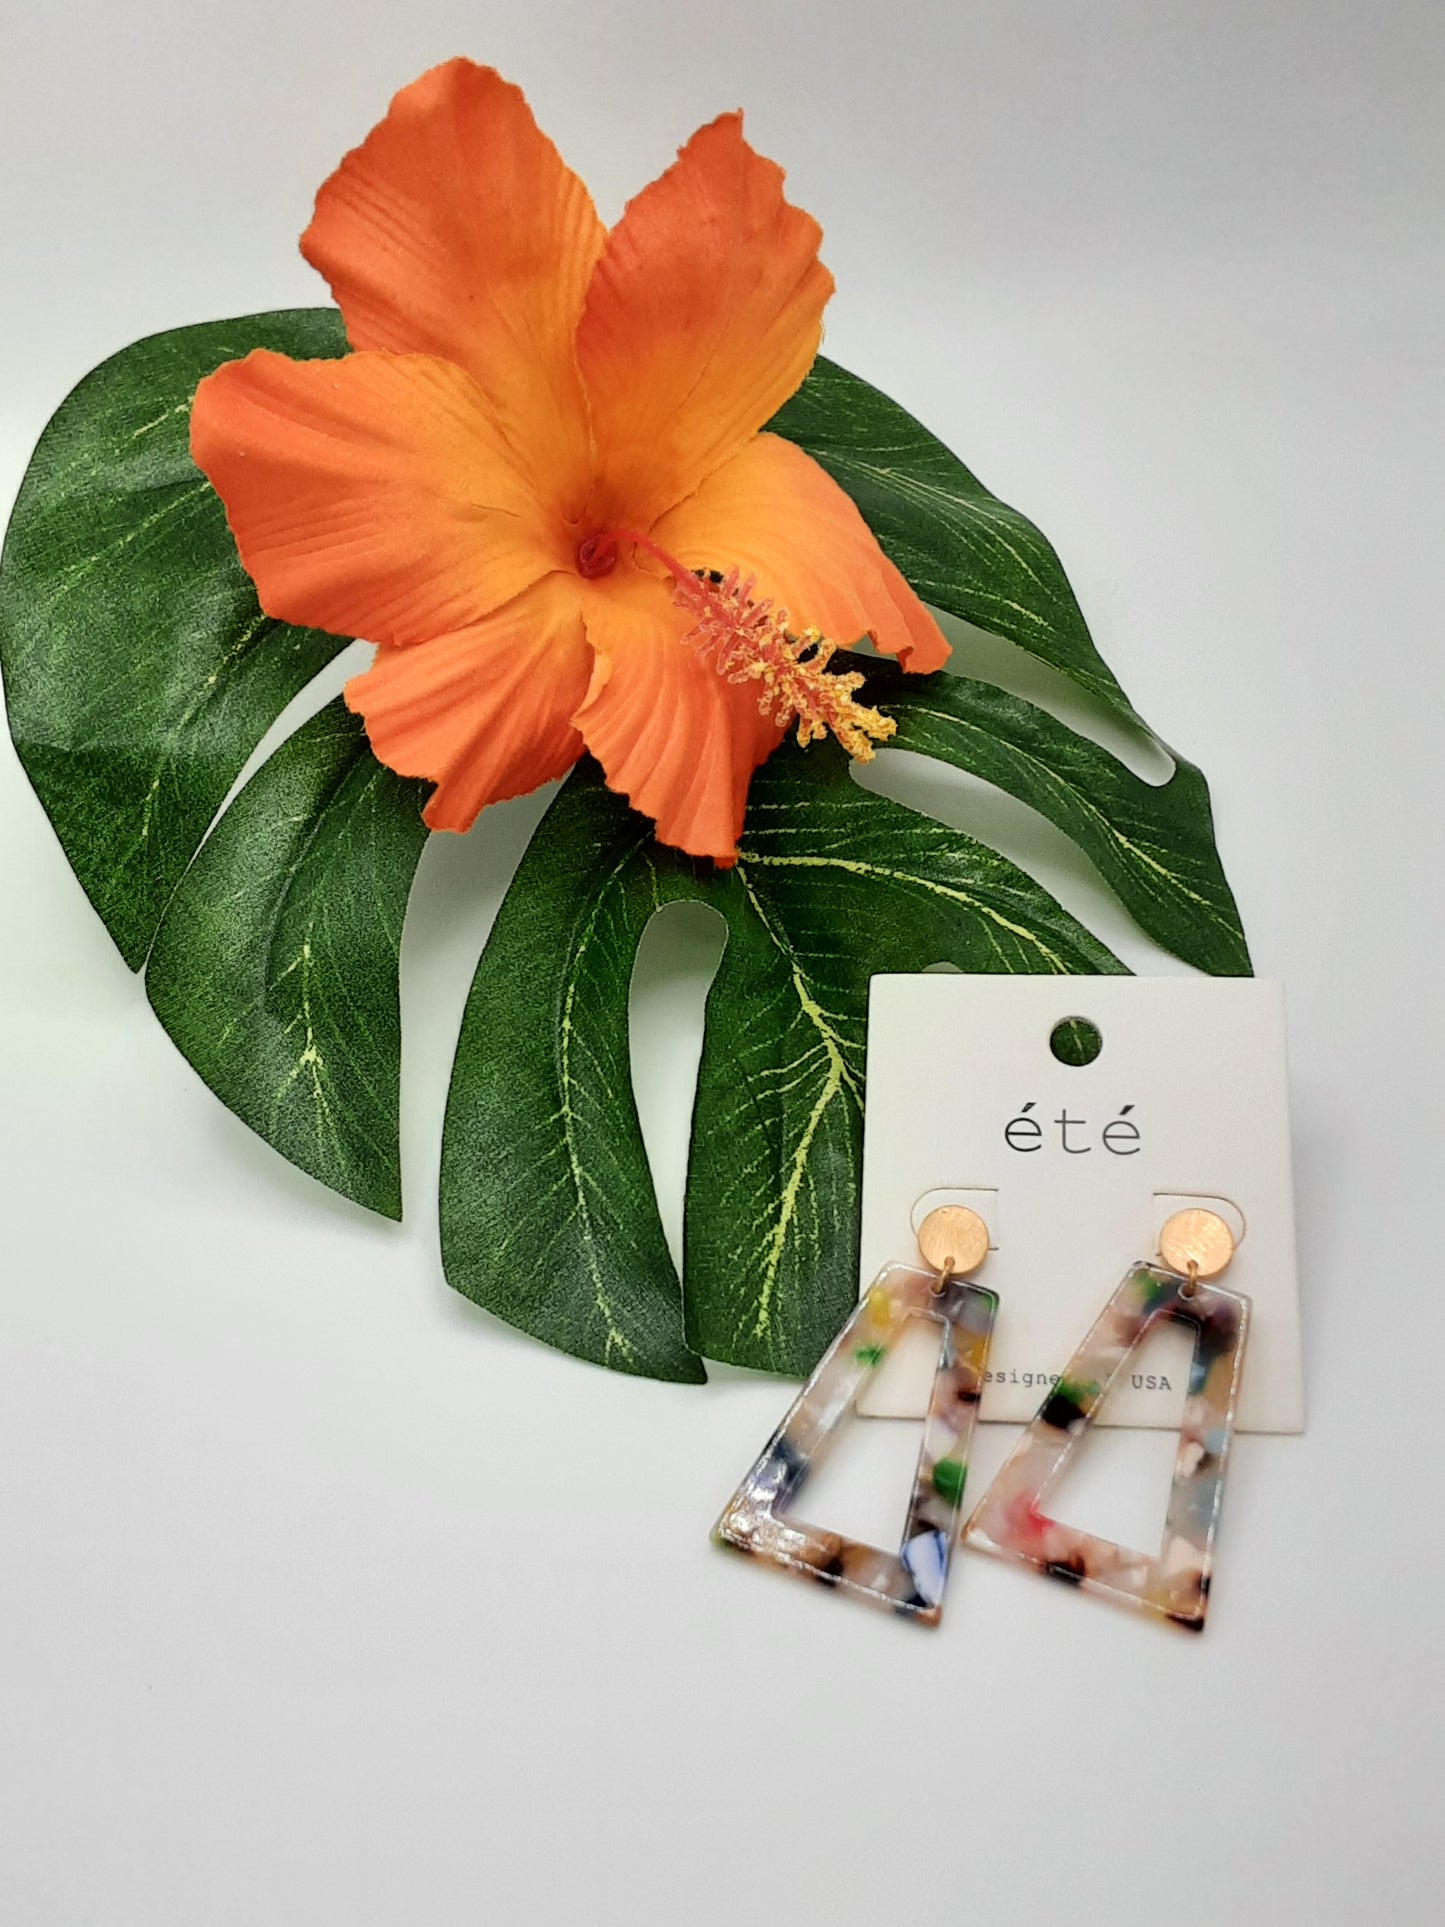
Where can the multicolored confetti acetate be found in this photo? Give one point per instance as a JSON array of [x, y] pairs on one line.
[[1008, 1520], [910, 1581]]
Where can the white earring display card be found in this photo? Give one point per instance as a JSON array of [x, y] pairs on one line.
[[1076, 1114]]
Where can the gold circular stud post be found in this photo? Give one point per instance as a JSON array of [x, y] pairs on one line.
[[953, 1240], [1198, 1243]]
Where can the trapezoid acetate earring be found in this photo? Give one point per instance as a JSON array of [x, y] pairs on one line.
[[1194, 1246], [910, 1581]]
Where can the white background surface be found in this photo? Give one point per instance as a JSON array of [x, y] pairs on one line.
[[325, 1599]]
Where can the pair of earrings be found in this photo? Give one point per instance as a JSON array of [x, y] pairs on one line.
[[1194, 1247]]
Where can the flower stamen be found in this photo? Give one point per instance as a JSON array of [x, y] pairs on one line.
[[750, 640]]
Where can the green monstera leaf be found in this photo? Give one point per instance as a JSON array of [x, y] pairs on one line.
[[275, 968], [141, 676], [1152, 843], [140, 672], [543, 1157], [961, 548]]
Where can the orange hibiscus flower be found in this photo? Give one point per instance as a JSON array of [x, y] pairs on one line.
[[538, 483]]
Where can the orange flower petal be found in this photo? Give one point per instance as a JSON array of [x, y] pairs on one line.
[[778, 516], [455, 230], [486, 713], [671, 735], [372, 496], [704, 314]]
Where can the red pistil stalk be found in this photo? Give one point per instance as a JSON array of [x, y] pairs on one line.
[[750, 641]]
